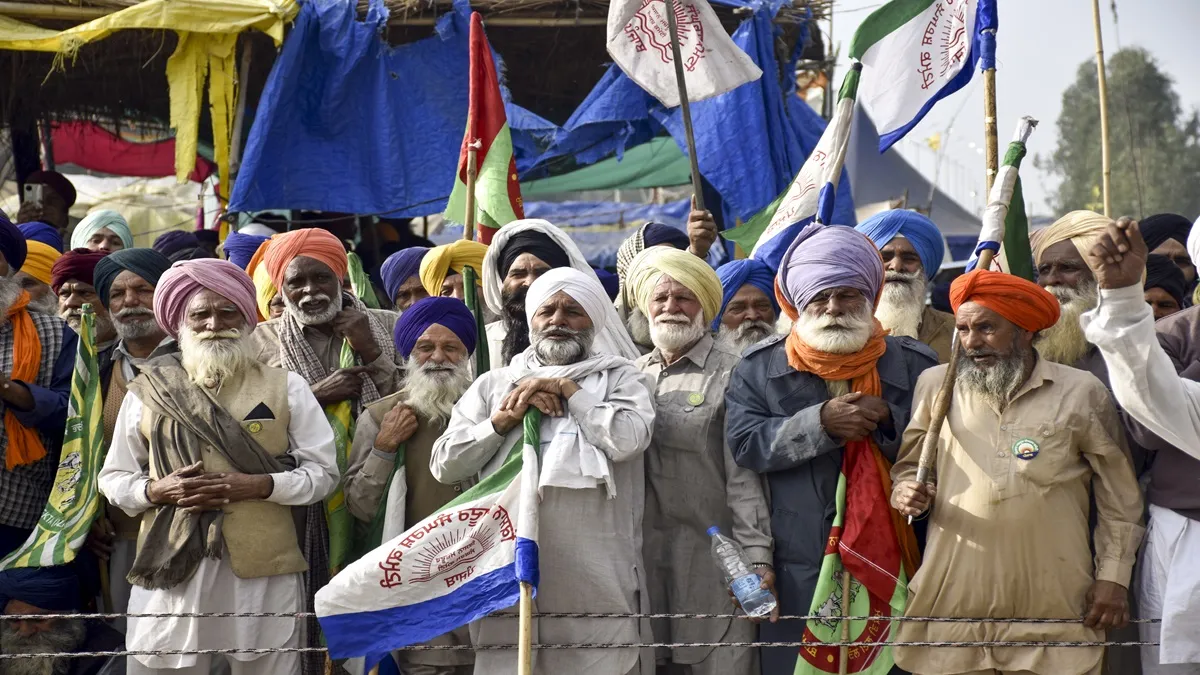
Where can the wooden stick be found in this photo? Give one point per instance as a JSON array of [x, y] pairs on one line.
[[525, 631], [1102, 81], [684, 106], [472, 173], [989, 129], [844, 651]]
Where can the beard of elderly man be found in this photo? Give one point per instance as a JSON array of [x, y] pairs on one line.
[[1063, 272], [749, 318], [72, 296]]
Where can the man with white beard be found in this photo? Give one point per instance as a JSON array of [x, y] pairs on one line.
[[912, 250], [748, 304], [214, 451], [795, 402], [35, 276], [388, 484], [1029, 450], [71, 279], [688, 455], [1058, 253], [599, 414]]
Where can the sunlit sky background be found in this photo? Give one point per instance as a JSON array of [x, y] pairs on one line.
[[1040, 45]]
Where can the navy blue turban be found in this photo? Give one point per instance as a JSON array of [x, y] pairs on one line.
[[610, 282], [737, 273], [924, 235], [54, 589], [175, 241], [448, 312], [239, 248], [12, 244], [1162, 272], [144, 262], [400, 267], [47, 234], [657, 233], [1162, 227]]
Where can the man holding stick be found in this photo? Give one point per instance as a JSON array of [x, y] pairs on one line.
[[1029, 443]]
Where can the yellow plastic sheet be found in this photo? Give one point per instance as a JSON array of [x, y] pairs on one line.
[[207, 48]]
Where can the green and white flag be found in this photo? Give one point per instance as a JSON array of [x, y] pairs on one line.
[[1005, 220], [74, 501]]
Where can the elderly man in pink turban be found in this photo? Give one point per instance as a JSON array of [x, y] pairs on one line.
[[214, 451]]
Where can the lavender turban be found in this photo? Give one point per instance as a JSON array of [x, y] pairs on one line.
[[400, 267], [239, 248], [824, 257], [175, 241], [188, 277], [448, 312]]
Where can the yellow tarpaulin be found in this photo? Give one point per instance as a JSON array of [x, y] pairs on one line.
[[207, 48]]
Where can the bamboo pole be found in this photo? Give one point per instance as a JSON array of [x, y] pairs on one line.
[[989, 127], [685, 106], [525, 631], [472, 173], [844, 650], [1102, 81]]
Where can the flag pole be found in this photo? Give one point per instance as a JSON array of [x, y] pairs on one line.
[[525, 632], [844, 651], [1102, 82], [472, 173], [684, 106]]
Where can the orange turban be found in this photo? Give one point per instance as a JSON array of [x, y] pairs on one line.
[[1022, 302], [320, 245]]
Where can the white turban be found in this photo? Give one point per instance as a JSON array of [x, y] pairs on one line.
[[611, 337], [1193, 243], [99, 220]]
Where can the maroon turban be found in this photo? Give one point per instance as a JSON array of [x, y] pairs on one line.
[[78, 264]]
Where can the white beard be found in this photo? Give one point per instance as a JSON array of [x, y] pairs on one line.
[[74, 319], [211, 357], [902, 303], [996, 384], [9, 292], [638, 325], [66, 636], [308, 318], [1064, 342], [47, 304], [134, 323], [745, 336], [432, 389], [561, 352], [673, 333], [845, 334]]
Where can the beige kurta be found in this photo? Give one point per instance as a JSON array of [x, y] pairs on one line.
[[692, 483], [1008, 535], [385, 372], [936, 330]]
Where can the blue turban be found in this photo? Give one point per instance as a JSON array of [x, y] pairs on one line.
[[610, 282], [54, 589], [399, 267], [828, 256], [924, 235], [738, 273], [169, 243], [47, 234], [657, 233], [239, 248], [12, 244], [448, 312], [144, 262]]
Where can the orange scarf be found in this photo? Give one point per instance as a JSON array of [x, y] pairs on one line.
[[24, 446]]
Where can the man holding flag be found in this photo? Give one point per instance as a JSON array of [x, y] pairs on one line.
[[820, 413]]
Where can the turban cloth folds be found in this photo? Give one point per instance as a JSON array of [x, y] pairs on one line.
[[12, 244], [39, 261], [648, 268], [1082, 228], [448, 312], [925, 237], [52, 588], [538, 243], [99, 220], [78, 264], [144, 262], [1161, 228], [400, 267], [584, 289], [1161, 272], [47, 234], [1022, 302], [737, 273], [186, 278], [440, 260], [175, 241], [264, 288], [320, 245], [824, 257]]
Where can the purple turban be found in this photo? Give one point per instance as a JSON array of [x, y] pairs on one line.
[[39, 231], [239, 248], [737, 273], [174, 242], [400, 267], [824, 257], [186, 278], [448, 312], [12, 244]]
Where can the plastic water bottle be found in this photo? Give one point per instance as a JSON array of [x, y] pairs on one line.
[[740, 576]]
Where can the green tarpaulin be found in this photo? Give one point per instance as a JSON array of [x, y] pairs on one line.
[[658, 163]]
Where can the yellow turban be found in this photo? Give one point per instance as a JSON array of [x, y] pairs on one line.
[[694, 273], [438, 262], [264, 287], [39, 260], [1082, 228]]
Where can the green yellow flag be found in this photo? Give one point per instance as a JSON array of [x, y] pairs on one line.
[[337, 516]]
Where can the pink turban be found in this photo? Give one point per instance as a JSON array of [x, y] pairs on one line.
[[188, 277]]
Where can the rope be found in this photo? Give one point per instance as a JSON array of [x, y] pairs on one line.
[[592, 645]]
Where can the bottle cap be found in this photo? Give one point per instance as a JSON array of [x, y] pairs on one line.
[[714, 530]]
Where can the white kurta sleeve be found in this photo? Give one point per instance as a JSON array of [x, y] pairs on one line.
[[123, 477], [310, 442], [1142, 377], [470, 441], [620, 425]]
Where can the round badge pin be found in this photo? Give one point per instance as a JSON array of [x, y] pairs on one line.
[[255, 427], [1026, 449], [695, 398]]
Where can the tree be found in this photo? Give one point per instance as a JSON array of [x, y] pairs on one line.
[[1155, 147]]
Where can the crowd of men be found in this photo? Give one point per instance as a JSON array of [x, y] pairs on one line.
[[678, 398]]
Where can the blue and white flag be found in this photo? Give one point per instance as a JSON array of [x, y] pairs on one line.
[[460, 564], [917, 52]]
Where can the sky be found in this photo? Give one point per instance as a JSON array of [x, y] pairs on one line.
[[1040, 45]]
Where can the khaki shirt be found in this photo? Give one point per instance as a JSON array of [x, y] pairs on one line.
[[937, 331], [1008, 533], [692, 483]]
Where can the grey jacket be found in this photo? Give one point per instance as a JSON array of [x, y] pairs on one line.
[[773, 422]]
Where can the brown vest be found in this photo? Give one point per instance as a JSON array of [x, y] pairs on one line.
[[260, 535]]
